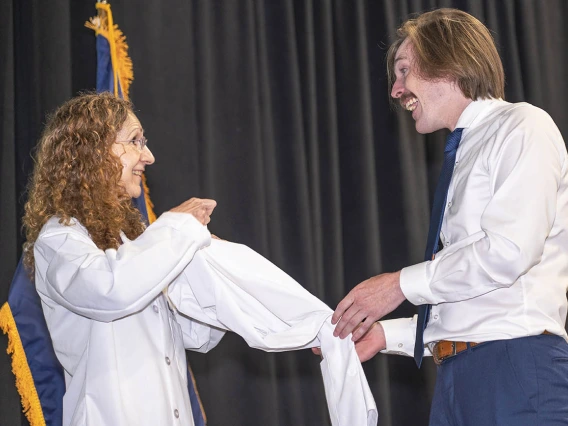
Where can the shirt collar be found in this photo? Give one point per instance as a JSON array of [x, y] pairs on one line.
[[476, 111]]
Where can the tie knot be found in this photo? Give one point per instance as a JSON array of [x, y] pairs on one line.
[[453, 140]]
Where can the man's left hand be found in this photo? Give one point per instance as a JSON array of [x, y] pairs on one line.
[[366, 303]]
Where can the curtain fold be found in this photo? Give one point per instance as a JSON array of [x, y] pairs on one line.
[[279, 110], [10, 402]]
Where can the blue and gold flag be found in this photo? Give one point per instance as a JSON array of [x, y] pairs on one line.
[[115, 74], [39, 375]]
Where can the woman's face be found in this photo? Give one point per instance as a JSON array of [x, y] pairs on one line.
[[134, 161]]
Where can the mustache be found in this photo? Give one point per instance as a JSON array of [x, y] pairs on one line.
[[405, 98]]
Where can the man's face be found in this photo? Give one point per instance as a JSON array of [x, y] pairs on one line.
[[430, 101]]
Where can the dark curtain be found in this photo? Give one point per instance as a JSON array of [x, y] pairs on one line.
[[280, 111]]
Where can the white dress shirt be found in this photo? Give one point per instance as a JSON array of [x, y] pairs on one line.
[[231, 287], [503, 271], [112, 330]]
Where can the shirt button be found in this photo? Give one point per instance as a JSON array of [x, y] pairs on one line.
[[435, 317], [155, 308], [168, 361], [450, 204], [176, 413], [400, 345]]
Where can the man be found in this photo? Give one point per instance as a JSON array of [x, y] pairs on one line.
[[492, 296]]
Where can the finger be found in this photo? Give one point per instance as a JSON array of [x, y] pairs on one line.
[[362, 330], [341, 308], [344, 321], [353, 323], [316, 351], [209, 205], [201, 217]]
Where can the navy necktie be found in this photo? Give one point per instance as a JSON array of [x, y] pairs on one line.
[[438, 207]]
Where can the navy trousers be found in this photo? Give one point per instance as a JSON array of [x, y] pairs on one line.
[[517, 382]]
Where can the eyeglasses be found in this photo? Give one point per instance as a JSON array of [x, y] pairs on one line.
[[139, 144]]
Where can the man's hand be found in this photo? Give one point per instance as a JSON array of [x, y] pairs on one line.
[[201, 209], [371, 343], [369, 301]]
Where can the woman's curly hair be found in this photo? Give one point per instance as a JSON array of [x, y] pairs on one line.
[[76, 174]]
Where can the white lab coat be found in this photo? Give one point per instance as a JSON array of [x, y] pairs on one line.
[[118, 342], [231, 287], [122, 344]]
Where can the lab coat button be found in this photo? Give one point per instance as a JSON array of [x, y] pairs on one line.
[[176, 413], [168, 361]]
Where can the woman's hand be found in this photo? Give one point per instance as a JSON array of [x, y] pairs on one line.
[[200, 208]]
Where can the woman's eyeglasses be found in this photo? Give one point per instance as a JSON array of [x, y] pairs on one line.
[[139, 144]]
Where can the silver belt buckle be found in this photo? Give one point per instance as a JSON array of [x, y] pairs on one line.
[[432, 346]]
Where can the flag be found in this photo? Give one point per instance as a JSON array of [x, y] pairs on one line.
[[39, 375], [115, 74]]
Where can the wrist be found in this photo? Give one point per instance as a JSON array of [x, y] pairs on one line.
[[380, 332], [399, 294]]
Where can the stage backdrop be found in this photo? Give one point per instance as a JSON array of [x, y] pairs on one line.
[[278, 110]]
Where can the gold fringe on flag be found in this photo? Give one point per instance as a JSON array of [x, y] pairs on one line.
[[104, 25], [21, 369], [192, 376]]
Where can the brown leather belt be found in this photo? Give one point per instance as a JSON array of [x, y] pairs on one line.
[[445, 349]]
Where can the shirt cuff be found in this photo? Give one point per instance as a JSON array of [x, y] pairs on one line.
[[400, 335], [414, 284]]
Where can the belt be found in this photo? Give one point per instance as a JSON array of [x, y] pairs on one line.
[[445, 349]]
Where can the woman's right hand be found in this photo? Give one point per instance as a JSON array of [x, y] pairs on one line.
[[200, 208]]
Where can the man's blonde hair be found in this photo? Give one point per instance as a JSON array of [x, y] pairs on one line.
[[450, 43]]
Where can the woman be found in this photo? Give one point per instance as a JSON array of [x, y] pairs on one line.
[[100, 273]]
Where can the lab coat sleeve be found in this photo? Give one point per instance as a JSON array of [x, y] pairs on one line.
[[232, 287], [111, 284], [200, 328], [197, 336]]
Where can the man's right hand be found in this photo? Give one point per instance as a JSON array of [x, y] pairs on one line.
[[367, 346], [371, 343], [200, 208]]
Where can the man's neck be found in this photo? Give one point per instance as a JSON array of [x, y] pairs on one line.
[[459, 106]]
